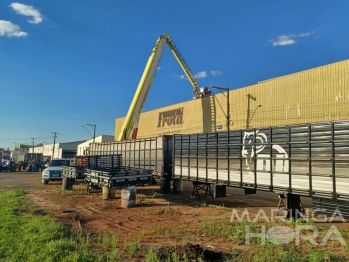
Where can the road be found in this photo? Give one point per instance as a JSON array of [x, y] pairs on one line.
[[24, 180]]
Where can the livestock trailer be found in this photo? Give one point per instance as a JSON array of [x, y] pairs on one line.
[[153, 153], [300, 160]]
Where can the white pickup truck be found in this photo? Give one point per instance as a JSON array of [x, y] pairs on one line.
[[54, 171]]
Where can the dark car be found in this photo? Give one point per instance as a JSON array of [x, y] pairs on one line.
[[7, 165]]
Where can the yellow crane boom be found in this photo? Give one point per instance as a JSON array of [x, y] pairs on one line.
[[129, 127]]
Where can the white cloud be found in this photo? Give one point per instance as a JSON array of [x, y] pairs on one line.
[[28, 10], [289, 39], [201, 74], [11, 30], [304, 34], [181, 76], [216, 73], [283, 40]]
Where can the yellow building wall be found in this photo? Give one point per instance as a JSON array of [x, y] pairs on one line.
[[180, 118], [315, 95]]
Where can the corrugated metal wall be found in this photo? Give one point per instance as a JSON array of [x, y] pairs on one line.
[[315, 95]]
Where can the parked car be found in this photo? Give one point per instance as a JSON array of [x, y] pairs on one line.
[[54, 171], [8, 166]]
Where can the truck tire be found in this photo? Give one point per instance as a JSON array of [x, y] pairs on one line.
[[45, 181]]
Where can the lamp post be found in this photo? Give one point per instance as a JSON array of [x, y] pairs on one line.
[[94, 130], [228, 106]]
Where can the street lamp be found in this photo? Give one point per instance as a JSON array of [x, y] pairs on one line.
[[228, 110], [94, 130]]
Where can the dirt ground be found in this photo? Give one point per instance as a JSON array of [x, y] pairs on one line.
[[152, 214], [164, 222]]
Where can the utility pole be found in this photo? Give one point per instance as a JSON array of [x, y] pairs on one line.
[[54, 143], [249, 117], [94, 130], [249, 96], [228, 106], [33, 148]]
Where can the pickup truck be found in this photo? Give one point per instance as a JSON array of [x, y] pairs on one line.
[[54, 171]]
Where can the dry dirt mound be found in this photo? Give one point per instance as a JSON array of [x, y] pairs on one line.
[[189, 251]]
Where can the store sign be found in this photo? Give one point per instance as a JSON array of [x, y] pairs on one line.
[[171, 118]]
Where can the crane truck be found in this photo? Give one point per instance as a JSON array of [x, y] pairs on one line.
[[129, 128]]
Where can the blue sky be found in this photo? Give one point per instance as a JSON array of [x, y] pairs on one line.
[[67, 63]]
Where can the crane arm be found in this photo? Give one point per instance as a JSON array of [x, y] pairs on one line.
[[129, 127], [183, 65]]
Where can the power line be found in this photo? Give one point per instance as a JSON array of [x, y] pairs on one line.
[[330, 52], [288, 64], [29, 138]]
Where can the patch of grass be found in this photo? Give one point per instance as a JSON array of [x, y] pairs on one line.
[[225, 229], [151, 256], [154, 194], [29, 234], [25, 236], [131, 248], [159, 230], [169, 232], [107, 241], [203, 204], [173, 232], [145, 201], [140, 236], [188, 238], [271, 252]]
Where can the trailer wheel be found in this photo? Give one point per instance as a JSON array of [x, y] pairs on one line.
[[45, 181]]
